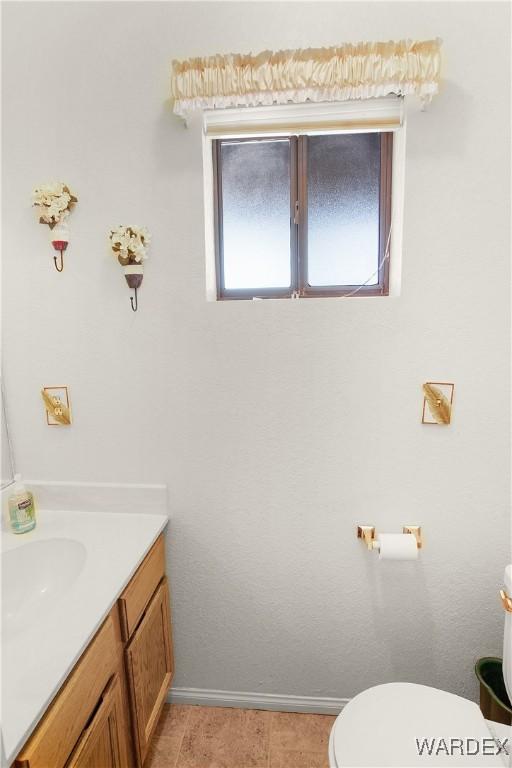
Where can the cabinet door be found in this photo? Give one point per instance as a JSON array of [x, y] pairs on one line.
[[149, 666], [102, 744], [77, 705]]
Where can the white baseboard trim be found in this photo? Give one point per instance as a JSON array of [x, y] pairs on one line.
[[248, 700]]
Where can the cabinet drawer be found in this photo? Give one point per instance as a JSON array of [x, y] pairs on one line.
[[141, 588], [67, 716]]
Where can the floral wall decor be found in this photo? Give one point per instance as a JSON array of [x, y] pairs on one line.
[[53, 203], [130, 244]]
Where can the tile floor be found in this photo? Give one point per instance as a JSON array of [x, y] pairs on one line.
[[215, 737]]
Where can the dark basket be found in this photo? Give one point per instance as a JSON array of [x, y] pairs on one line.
[[494, 701]]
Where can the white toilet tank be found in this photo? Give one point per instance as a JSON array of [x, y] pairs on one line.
[[507, 636]]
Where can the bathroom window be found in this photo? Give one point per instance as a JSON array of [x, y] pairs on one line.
[[302, 216]]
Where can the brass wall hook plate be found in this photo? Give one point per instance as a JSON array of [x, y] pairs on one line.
[[437, 402], [57, 404], [506, 600]]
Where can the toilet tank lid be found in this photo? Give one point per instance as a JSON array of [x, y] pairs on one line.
[[508, 580]]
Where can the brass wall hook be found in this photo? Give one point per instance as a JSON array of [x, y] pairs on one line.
[[367, 534]]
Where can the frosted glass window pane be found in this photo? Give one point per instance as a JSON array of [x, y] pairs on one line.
[[256, 214], [343, 209]]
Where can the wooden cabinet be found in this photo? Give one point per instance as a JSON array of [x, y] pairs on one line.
[[103, 742], [68, 717], [126, 669], [149, 665]]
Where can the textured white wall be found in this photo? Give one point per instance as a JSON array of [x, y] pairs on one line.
[[277, 425]]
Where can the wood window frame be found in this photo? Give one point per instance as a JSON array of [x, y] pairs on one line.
[[299, 226]]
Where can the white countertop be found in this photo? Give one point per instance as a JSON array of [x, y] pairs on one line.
[[37, 660]]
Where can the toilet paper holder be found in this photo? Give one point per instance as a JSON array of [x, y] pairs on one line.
[[367, 534]]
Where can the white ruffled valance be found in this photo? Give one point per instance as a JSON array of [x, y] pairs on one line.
[[341, 73]]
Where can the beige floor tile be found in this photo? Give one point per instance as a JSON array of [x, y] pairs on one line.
[[174, 718], [215, 737], [301, 732], [292, 758], [225, 738], [164, 752], [166, 742]]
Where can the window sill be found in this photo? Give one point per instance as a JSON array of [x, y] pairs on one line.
[[323, 297]]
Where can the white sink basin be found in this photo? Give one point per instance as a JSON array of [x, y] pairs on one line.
[[35, 576]]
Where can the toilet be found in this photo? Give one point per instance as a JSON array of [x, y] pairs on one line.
[[396, 724]]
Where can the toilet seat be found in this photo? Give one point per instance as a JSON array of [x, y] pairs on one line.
[[379, 727]]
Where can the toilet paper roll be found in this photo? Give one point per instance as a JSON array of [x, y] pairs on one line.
[[397, 546]]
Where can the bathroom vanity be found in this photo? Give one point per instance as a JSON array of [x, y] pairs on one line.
[[87, 653]]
